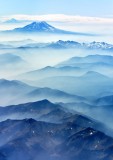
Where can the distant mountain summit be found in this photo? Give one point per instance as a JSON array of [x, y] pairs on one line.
[[44, 27], [37, 27], [13, 20]]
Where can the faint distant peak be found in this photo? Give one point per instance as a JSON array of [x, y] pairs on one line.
[[13, 20]]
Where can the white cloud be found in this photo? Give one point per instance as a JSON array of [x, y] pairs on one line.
[[61, 18]]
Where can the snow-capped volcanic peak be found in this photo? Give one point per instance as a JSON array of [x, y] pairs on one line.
[[39, 26], [44, 27]]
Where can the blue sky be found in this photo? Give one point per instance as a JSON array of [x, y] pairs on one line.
[[74, 7]]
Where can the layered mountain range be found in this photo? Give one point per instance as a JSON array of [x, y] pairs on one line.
[[70, 45], [95, 70], [56, 97], [30, 44], [30, 139], [19, 92]]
